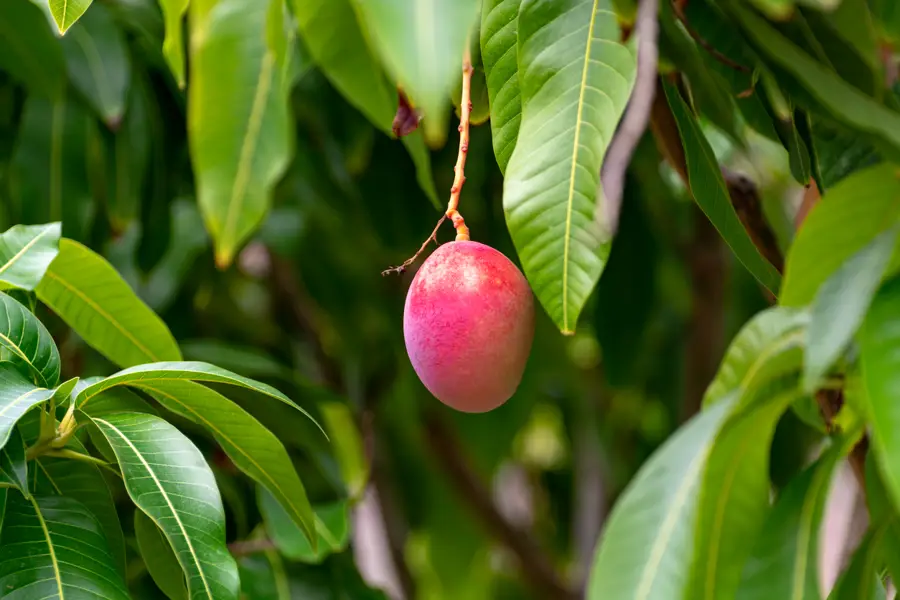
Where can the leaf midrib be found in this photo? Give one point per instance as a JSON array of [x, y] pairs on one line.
[[571, 195], [56, 574], [162, 491]]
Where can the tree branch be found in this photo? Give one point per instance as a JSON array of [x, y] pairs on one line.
[[445, 447]]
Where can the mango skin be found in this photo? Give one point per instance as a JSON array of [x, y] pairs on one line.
[[468, 324]]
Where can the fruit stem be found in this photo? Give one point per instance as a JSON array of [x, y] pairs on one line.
[[465, 108]]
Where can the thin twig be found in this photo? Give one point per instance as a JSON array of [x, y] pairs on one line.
[[246, 547], [706, 45], [452, 213], [637, 115]]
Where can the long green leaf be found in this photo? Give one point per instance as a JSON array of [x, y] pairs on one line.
[[98, 62], [173, 371], [879, 343], [841, 304], [735, 495], [499, 28], [254, 449], [755, 355], [85, 483], [331, 31], [168, 478], [28, 341], [709, 190], [173, 45], [237, 119], [13, 467], [25, 253], [869, 199], [421, 43], [48, 172], [17, 396], [784, 561], [94, 300], [332, 530], [54, 548], [66, 12], [845, 102], [575, 80], [31, 53], [645, 550], [861, 581], [162, 564]]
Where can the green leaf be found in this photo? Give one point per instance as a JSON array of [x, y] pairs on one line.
[[709, 190], [17, 396], [879, 343], [331, 524], [861, 581], [238, 124], [784, 561], [246, 360], [13, 467], [646, 548], [31, 52], [25, 253], [841, 304], [66, 12], [761, 351], [348, 445], [85, 483], [48, 171], [869, 199], [98, 63], [421, 42], [168, 478], [575, 79], [840, 151], [162, 564], [143, 375], [254, 449], [499, 28], [28, 342], [845, 102], [263, 577], [93, 299], [173, 45], [54, 548], [734, 499]]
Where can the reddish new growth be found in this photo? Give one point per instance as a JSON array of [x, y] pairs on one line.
[[452, 213]]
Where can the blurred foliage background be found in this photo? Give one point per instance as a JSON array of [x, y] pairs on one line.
[[445, 505]]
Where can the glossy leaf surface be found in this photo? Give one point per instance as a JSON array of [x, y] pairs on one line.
[[575, 79], [28, 342], [25, 253], [94, 300], [13, 467], [499, 28], [66, 12], [17, 396]]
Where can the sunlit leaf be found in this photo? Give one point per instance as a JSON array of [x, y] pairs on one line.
[[173, 45], [499, 26], [238, 122], [66, 12], [421, 43], [98, 62], [784, 560], [31, 52], [28, 342], [48, 171], [162, 564], [645, 550], [254, 449], [85, 483], [331, 525], [168, 478], [25, 253], [841, 304], [709, 190], [575, 79], [17, 396], [53, 547], [94, 300], [870, 200]]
